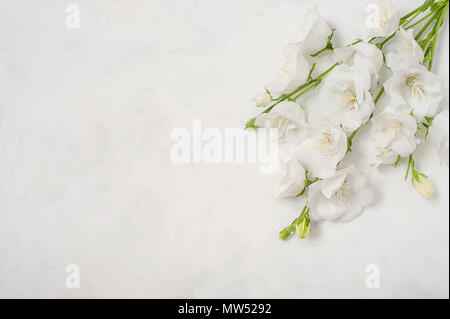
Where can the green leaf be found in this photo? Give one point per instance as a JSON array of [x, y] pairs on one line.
[[328, 47], [251, 124]]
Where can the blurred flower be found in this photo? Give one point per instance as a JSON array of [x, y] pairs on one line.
[[341, 197]]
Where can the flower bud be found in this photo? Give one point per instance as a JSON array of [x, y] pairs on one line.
[[303, 227], [262, 99], [423, 185], [285, 233]]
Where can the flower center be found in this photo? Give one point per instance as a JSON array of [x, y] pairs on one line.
[[343, 190], [284, 66], [395, 129], [323, 143], [384, 18], [408, 46], [349, 100], [283, 123], [415, 86]]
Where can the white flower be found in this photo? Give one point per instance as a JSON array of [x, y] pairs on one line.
[[262, 99], [291, 73], [346, 99], [364, 56], [415, 89], [288, 117], [323, 145], [439, 136], [383, 19], [312, 34], [341, 197], [393, 135], [403, 51], [423, 185], [292, 173]]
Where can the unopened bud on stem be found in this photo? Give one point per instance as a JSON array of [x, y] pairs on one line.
[[422, 184]]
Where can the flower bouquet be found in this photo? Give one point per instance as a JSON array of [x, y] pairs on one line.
[[393, 61]]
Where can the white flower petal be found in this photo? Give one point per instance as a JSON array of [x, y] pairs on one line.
[[312, 34], [393, 135], [292, 72], [403, 51], [342, 197], [365, 56], [322, 146], [262, 99], [345, 98], [288, 117], [293, 175], [417, 89], [383, 19]]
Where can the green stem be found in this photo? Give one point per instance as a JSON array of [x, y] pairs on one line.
[[427, 4], [436, 32], [352, 136], [312, 82], [426, 26], [380, 94], [286, 232], [421, 20], [410, 165], [405, 26]]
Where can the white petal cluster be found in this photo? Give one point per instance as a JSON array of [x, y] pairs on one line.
[[403, 51], [341, 197], [393, 135], [365, 57], [292, 173], [319, 145], [313, 143], [312, 34], [414, 96], [262, 99], [383, 19], [415, 89], [315, 133], [346, 99], [288, 118], [290, 73], [293, 70], [322, 147]]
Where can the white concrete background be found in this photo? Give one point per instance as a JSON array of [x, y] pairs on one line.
[[85, 175]]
